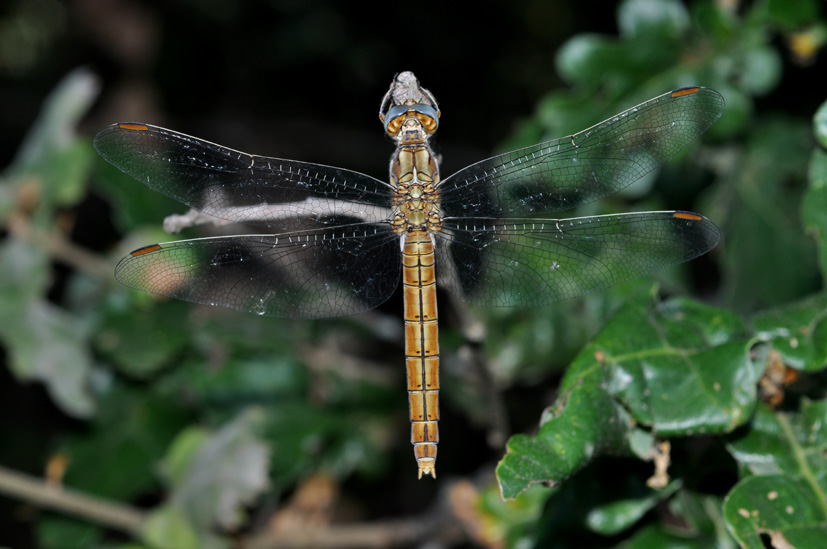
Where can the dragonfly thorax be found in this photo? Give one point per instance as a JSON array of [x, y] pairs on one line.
[[414, 174], [409, 111]]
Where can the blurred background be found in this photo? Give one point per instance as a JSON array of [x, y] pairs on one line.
[[222, 427]]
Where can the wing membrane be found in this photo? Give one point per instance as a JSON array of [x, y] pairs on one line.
[[240, 187], [564, 173], [533, 262], [328, 272]]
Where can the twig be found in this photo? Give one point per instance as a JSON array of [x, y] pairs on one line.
[[471, 353], [383, 534], [328, 358], [273, 213], [43, 494], [60, 247], [454, 517]]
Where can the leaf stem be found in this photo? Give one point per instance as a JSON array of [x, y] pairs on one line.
[[804, 468]]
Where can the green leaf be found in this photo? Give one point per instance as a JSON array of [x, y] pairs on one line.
[[50, 152], [663, 537], [54, 127], [225, 473], [599, 502], [60, 532], [616, 516], [814, 206], [526, 343], [181, 453], [655, 535], [792, 15], [584, 58], [44, 342], [820, 131], [738, 113], [584, 422], [514, 522], [787, 496], [168, 528], [762, 68], [140, 341], [779, 442], [781, 506], [66, 173], [262, 379], [715, 23], [683, 369], [8, 196], [763, 208], [700, 518], [338, 440], [814, 421], [798, 331], [25, 277], [132, 429], [660, 17], [133, 204]]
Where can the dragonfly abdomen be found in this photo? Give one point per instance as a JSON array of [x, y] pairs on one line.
[[421, 346]]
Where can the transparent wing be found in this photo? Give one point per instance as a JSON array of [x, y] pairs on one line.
[[328, 272], [240, 187], [564, 173], [532, 262]]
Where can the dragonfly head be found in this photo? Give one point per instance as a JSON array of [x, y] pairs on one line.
[[411, 123], [408, 107]]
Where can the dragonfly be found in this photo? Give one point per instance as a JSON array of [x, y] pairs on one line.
[[321, 241]]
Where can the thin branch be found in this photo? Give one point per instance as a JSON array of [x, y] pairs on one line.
[[310, 207], [41, 493], [60, 247], [380, 534], [328, 358], [474, 331], [305, 521]]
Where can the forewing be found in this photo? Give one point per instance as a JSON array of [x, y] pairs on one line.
[[240, 187], [533, 262], [313, 274], [564, 173]]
